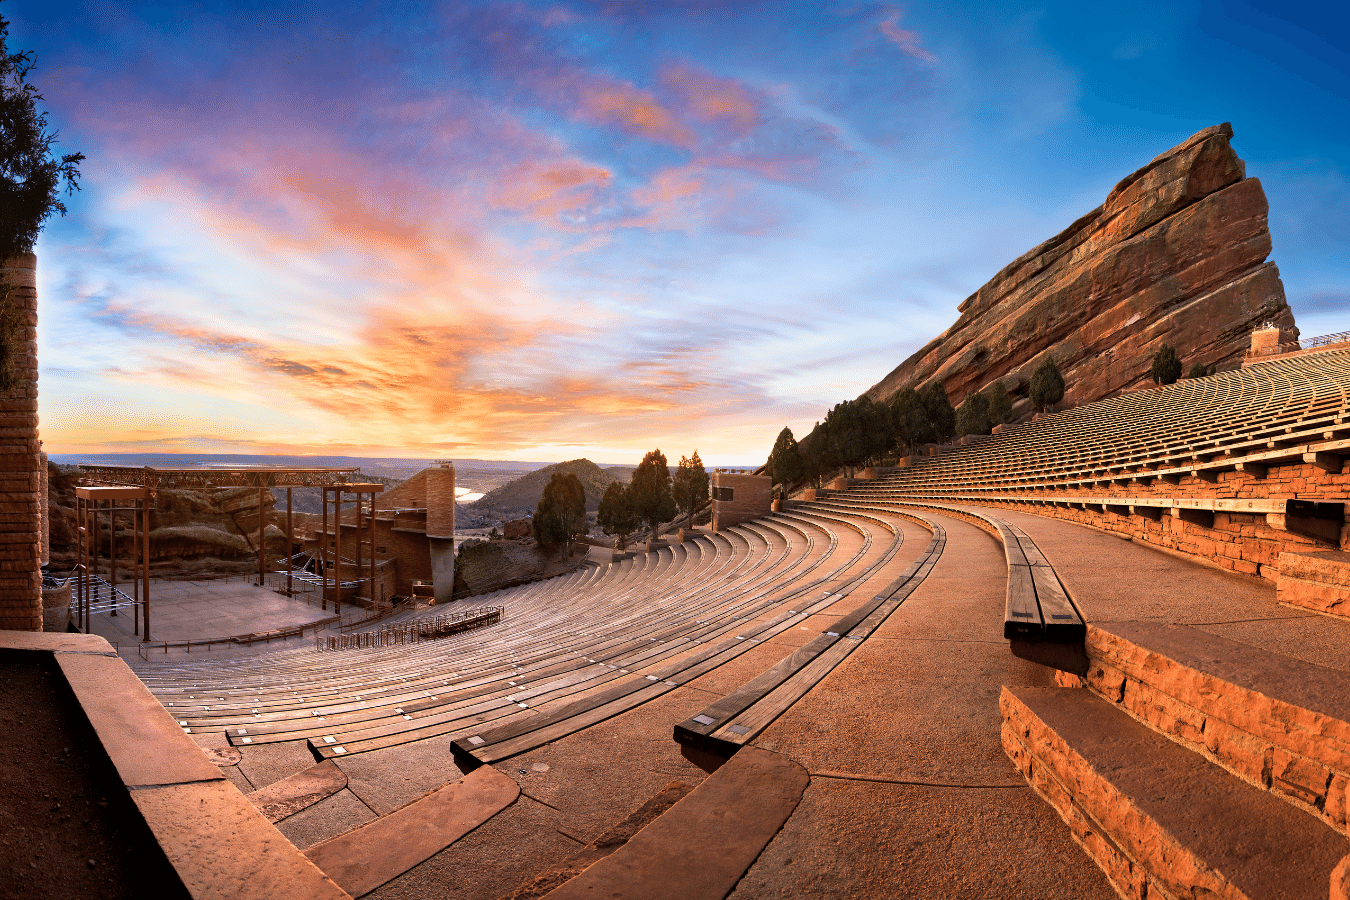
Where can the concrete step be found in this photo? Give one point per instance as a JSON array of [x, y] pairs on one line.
[[1159, 819], [1278, 723], [700, 848], [300, 791], [563, 872], [366, 857]]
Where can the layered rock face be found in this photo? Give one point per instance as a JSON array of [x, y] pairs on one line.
[[1176, 255]]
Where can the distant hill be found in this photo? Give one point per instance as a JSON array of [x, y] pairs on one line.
[[522, 495], [622, 473]]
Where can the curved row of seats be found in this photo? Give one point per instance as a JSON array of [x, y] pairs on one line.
[[1195, 424], [654, 620]]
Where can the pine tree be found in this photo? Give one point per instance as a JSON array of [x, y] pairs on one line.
[[1047, 384], [1000, 403], [29, 175], [560, 517], [649, 491], [1165, 367], [938, 408], [616, 516], [972, 417], [690, 485], [785, 465]]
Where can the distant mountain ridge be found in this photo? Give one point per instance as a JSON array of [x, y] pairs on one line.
[[522, 495]]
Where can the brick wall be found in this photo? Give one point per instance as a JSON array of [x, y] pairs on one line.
[[441, 502], [409, 548], [20, 476], [751, 496]]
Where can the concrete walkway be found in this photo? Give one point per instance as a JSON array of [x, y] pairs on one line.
[[911, 795]]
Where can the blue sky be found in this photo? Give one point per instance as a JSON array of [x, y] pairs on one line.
[[544, 231]]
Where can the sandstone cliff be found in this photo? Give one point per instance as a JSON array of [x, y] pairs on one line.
[[1176, 254]]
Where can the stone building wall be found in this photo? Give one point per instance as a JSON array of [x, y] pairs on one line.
[[20, 474], [751, 497]]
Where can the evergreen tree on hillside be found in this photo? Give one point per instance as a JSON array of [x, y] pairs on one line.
[[872, 434], [1047, 384], [909, 420], [1200, 370], [1165, 367], [649, 490], [690, 485], [972, 417], [616, 515], [813, 460], [785, 465], [560, 517], [1000, 403], [941, 416]]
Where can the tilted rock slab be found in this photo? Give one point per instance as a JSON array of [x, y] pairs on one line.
[[1176, 254]]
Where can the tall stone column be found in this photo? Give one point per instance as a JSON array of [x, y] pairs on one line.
[[441, 529], [20, 478]]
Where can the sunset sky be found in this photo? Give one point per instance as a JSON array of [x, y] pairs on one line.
[[553, 230]]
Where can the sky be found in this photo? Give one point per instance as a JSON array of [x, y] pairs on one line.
[[514, 230]]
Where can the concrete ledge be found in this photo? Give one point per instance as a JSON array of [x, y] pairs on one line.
[[1156, 818], [50, 642], [222, 847], [700, 848], [218, 844]]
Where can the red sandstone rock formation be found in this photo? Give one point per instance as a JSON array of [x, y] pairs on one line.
[[1176, 254]]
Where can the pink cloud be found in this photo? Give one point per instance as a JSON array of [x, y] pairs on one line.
[[903, 38]]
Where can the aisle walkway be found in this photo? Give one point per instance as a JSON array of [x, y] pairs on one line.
[[911, 795]]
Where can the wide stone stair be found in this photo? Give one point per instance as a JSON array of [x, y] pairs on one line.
[[1189, 765]]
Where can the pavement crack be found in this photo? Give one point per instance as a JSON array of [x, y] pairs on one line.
[[525, 793], [858, 776]]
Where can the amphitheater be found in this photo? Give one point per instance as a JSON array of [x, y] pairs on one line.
[[1102, 653]]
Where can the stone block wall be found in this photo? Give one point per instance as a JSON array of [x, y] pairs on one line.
[[20, 472], [750, 498], [1294, 752]]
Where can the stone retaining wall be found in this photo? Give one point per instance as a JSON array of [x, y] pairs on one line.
[[1296, 753], [1241, 542]]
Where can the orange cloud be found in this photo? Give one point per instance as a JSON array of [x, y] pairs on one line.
[[709, 98], [613, 102], [551, 190]]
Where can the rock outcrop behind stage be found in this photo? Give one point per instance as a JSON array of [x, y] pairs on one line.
[[1176, 254]]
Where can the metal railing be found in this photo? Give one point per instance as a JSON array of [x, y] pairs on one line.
[[398, 633]]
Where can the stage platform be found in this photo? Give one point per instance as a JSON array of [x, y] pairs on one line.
[[208, 609]]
